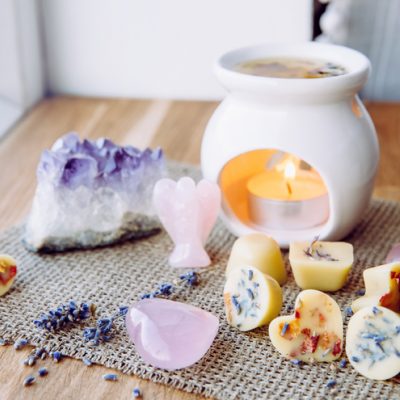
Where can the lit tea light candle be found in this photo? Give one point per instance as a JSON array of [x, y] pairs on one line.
[[287, 197]]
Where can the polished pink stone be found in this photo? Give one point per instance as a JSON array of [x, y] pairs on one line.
[[188, 213], [168, 334], [394, 254]]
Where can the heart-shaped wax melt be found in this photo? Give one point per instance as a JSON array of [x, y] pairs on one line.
[[313, 333], [168, 334]]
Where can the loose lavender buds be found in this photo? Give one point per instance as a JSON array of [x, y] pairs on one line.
[[136, 393], [87, 362], [57, 356], [331, 383], [43, 372], [20, 343], [110, 377], [92, 193], [348, 312], [29, 380]]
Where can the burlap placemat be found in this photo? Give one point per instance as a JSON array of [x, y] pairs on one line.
[[238, 365]]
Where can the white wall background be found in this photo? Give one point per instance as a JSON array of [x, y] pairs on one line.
[[21, 74], [158, 48], [372, 27]]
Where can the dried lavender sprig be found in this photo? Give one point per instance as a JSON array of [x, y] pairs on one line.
[[166, 289], [309, 251], [64, 315], [318, 254], [191, 278], [102, 331]]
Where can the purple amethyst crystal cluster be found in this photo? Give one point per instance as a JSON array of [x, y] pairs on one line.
[[92, 193]]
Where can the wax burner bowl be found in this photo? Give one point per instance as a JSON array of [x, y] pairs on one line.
[[320, 121]]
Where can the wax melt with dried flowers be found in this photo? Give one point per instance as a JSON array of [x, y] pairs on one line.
[[321, 265]]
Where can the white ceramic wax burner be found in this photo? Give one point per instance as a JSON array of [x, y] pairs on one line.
[[294, 157]]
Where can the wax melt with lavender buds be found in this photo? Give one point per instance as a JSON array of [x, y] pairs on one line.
[[92, 193], [313, 333], [373, 342], [321, 265], [252, 298]]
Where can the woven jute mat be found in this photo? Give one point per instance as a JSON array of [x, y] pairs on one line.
[[238, 365]]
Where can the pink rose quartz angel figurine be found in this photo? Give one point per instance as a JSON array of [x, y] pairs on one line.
[[188, 213]]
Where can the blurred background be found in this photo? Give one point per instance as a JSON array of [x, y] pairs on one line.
[[166, 48]]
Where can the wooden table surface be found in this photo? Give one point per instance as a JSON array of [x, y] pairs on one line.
[[177, 127]]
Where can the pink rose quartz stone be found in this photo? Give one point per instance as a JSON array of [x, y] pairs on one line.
[[394, 254], [188, 213], [168, 334]]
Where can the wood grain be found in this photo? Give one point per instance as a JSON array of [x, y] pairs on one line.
[[177, 126]]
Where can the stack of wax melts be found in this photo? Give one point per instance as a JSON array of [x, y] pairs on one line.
[[252, 293], [8, 271]]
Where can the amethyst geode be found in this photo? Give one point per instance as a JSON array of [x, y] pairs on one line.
[[92, 193]]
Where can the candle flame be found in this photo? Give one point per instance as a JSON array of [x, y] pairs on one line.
[[290, 170]]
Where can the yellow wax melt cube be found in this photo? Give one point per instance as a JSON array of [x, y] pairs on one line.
[[321, 265], [252, 299], [382, 288], [259, 251], [373, 342], [313, 333]]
